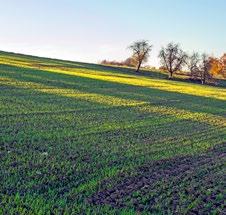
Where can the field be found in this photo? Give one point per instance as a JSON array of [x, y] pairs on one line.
[[78, 138]]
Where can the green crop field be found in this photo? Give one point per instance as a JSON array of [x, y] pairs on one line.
[[78, 138]]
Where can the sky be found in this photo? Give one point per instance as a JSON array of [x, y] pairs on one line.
[[93, 30]]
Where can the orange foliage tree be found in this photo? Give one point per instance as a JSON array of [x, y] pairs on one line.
[[216, 66], [223, 59]]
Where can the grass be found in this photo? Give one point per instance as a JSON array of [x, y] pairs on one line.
[[71, 131]]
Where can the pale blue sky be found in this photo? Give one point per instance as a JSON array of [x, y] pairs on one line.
[[92, 30]]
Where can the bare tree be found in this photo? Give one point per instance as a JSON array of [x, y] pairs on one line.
[[173, 58], [204, 69], [141, 51], [193, 65]]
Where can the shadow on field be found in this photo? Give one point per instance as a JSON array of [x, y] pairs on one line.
[[125, 91], [126, 70]]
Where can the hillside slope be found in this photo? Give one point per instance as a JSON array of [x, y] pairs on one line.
[[84, 138]]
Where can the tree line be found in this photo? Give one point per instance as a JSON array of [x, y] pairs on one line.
[[202, 67]]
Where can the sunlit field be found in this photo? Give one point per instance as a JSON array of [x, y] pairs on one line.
[[79, 138]]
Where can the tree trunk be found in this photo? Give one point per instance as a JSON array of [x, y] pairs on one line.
[[170, 74], [204, 80], [138, 67]]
